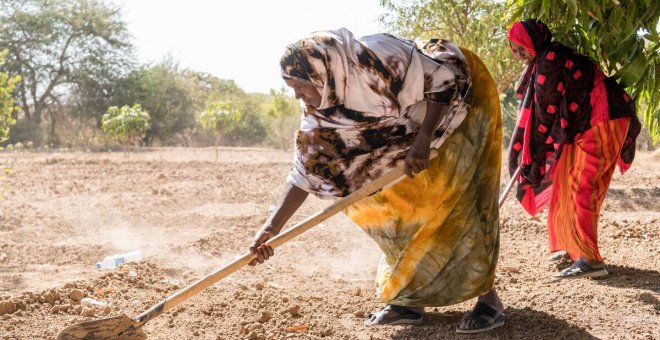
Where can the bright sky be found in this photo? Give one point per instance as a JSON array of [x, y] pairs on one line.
[[238, 39]]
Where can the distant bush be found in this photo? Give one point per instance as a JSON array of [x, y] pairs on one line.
[[127, 124]]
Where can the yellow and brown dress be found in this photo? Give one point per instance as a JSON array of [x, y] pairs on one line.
[[439, 232]]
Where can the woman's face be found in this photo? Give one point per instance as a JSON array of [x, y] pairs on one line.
[[520, 52], [305, 91]]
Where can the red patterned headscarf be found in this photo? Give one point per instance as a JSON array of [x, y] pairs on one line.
[[531, 34]]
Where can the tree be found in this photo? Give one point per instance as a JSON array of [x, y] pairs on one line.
[[58, 45], [7, 107], [284, 113], [220, 117], [127, 124], [621, 35], [250, 129], [165, 92]]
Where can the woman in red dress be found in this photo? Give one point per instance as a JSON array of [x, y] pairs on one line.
[[575, 125]]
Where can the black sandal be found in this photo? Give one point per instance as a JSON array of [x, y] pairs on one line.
[[394, 315], [485, 317], [581, 269]]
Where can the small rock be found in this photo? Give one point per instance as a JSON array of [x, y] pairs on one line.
[[78, 309], [107, 310], [295, 310], [196, 333], [253, 335], [6, 317], [358, 292], [259, 286], [88, 311], [360, 314], [265, 317], [327, 332], [513, 280], [76, 295], [7, 307]]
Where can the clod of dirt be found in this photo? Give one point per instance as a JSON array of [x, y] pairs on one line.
[[295, 310], [358, 292], [327, 332], [76, 295], [259, 286], [360, 314], [88, 311], [51, 297], [265, 317], [7, 307]]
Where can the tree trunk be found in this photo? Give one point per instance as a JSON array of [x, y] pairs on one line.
[[52, 138]]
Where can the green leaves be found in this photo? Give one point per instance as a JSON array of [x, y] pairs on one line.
[[220, 117], [7, 85], [126, 124]]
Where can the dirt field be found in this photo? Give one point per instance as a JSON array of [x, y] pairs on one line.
[[63, 212]]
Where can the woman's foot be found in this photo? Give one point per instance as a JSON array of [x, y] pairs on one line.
[[559, 256], [396, 315], [487, 314], [583, 268]]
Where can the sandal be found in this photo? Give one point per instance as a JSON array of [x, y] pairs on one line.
[[581, 269], [485, 316], [394, 315]]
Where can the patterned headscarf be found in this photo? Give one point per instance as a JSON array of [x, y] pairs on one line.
[[324, 58], [294, 64]]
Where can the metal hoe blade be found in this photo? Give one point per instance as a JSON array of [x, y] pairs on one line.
[[118, 327]]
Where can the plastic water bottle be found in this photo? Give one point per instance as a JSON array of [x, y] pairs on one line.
[[89, 302], [114, 261]]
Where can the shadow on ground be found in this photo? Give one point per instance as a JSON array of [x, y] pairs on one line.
[[630, 277], [521, 323]]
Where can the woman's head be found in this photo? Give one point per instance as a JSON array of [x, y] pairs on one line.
[[527, 38], [300, 75]]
